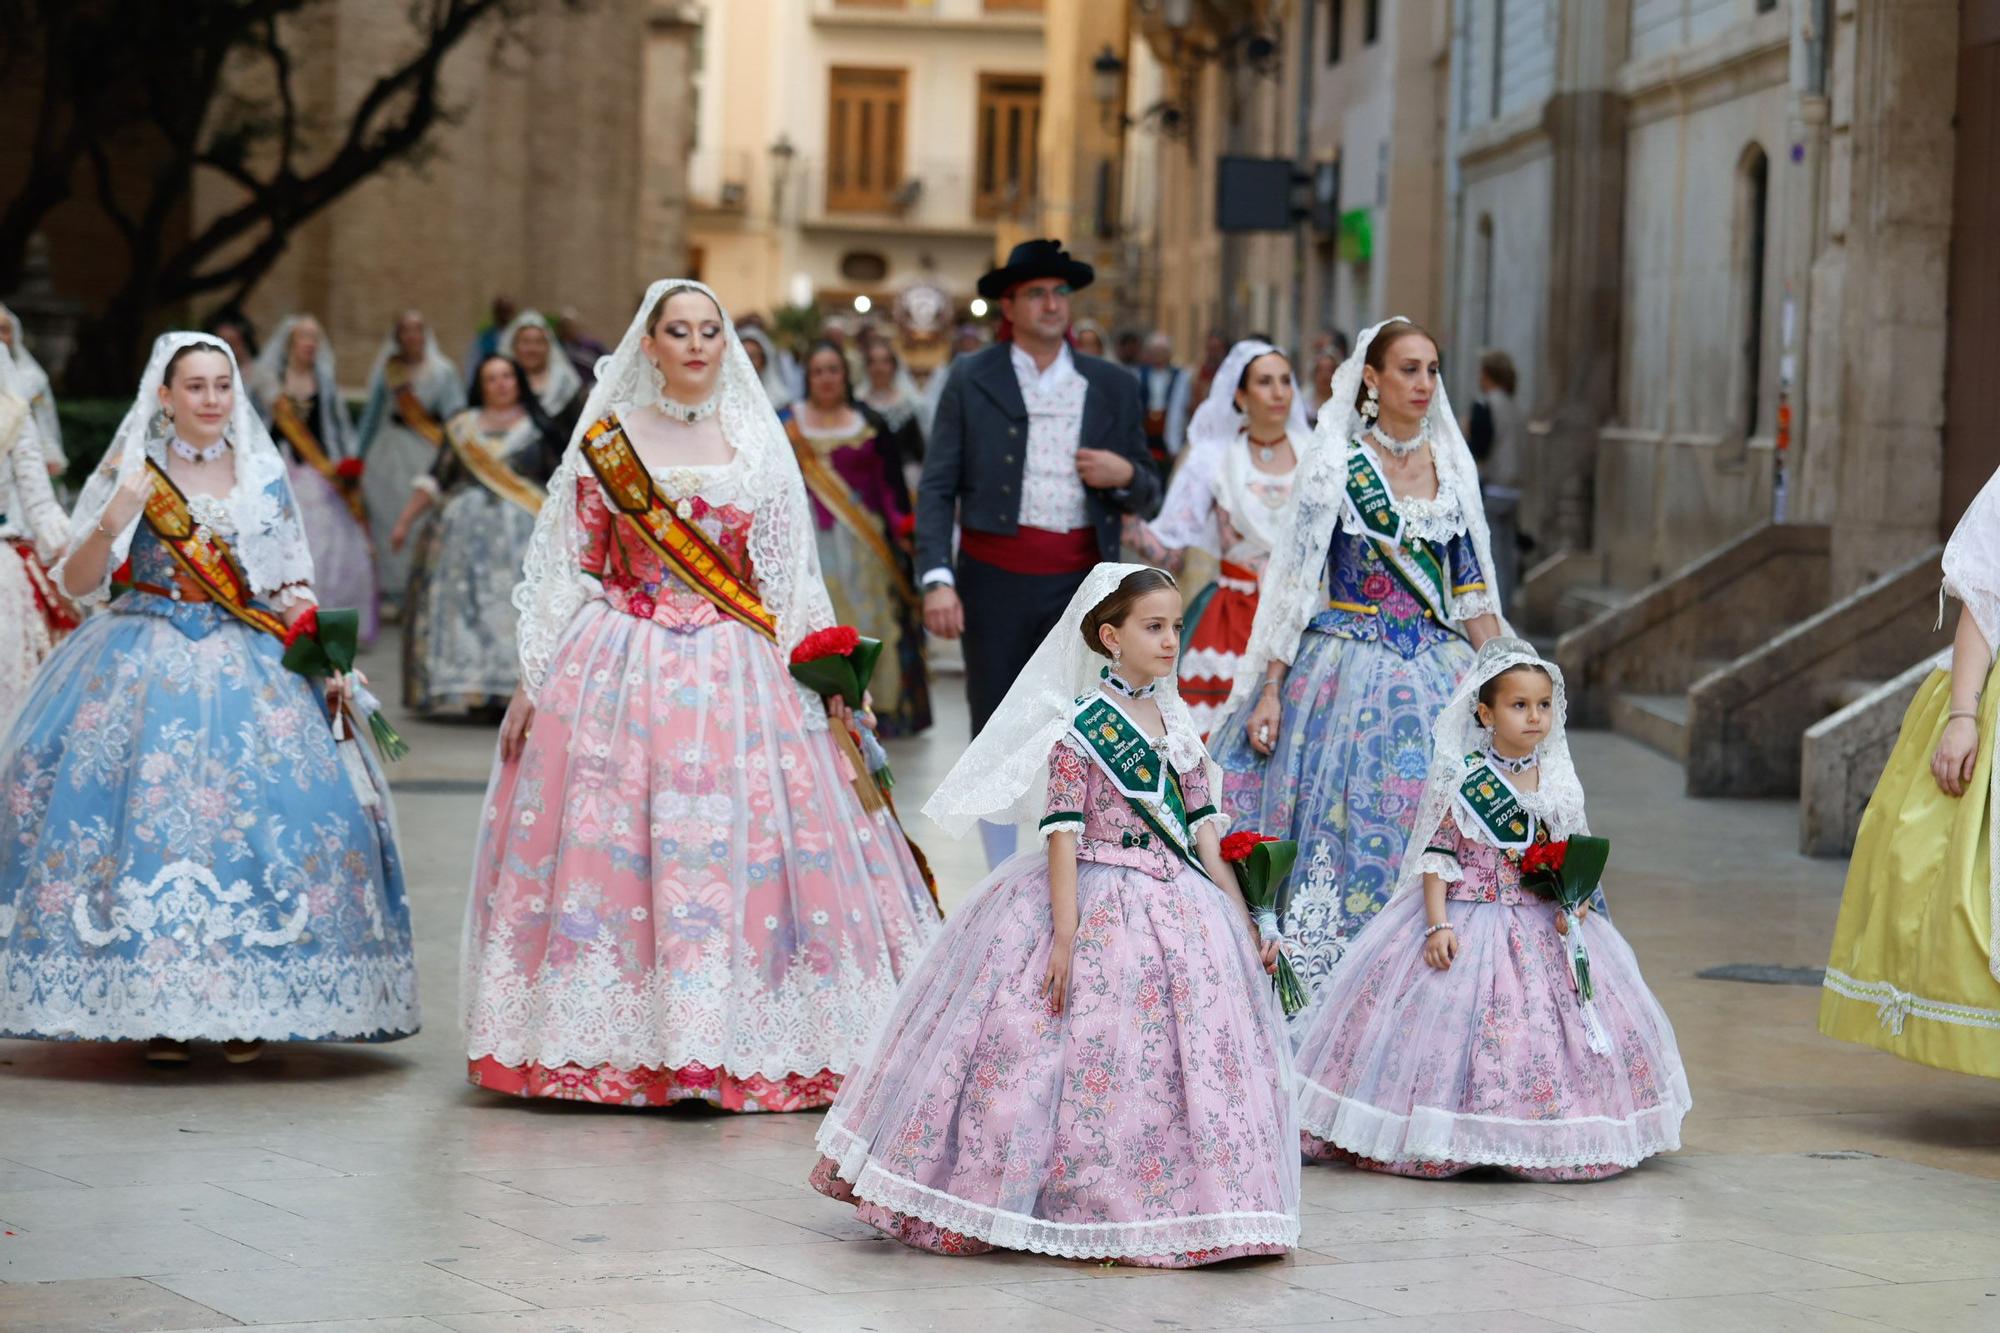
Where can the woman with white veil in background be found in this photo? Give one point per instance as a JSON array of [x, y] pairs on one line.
[[31, 383], [1228, 498], [308, 420], [33, 530], [532, 343], [186, 853], [1369, 612], [686, 884], [413, 390]]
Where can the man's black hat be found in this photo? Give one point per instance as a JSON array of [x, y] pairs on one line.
[[1036, 259]]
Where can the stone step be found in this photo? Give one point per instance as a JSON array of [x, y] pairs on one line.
[[1583, 603], [1658, 720]]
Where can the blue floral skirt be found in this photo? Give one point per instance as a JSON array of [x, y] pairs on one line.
[[183, 852], [1344, 780]]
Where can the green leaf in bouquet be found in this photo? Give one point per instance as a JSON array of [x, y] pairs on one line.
[[828, 676], [863, 659], [1583, 867], [1271, 863], [340, 636]]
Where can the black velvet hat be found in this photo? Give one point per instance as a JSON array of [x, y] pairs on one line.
[[1036, 259]]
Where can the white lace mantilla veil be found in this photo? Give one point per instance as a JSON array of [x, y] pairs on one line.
[[434, 357], [334, 430], [1558, 802], [269, 543], [563, 379], [1187, 515], [1003, 774], [1972, 574], [783, 548], [1289, 594], [31, 386]]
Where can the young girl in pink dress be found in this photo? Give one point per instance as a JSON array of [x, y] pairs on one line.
[[1089, 1063], [1452, 1036], [685, 886]]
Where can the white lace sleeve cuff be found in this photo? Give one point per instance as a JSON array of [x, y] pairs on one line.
[[1064, 821], [1211, 815], [1471, 605], [1442, 864]]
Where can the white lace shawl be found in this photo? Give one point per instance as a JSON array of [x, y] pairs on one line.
[[563, 380], [783, 548], [1291, 592], [1003, 774], [1972, 561], [1187, 516], [334, 429], [270, 543], [1558, 802], [28, 504], [31, 384]]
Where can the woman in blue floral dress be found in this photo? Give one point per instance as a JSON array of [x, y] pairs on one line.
[[1368, 615], [185, 853]]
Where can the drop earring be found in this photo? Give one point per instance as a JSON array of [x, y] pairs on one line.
[[1372, 408]]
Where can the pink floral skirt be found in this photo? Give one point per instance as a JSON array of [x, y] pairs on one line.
[[1150, 1121], [1421, 1072], [676, 894]]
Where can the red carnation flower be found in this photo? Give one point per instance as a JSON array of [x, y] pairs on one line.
[[1545, 856], [836, 642], [903, 524], [305, 627], [348, 469], [1238, 846]]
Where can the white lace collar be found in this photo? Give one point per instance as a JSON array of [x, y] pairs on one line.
[[1437, 519]]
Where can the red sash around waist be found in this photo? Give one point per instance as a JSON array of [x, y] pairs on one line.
[[1032, 550]]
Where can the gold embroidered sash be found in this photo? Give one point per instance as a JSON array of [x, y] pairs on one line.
[[203, 557], [285, 416], [411, 408], [832, 491], [488, 471]]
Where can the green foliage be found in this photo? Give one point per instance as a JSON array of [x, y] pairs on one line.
[[87, 427]]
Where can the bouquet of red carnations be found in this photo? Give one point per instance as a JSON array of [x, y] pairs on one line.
[[841, 661], [1566, 872], [321, 644], [1262, 865]]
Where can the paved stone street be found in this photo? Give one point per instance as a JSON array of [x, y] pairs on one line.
[[1821, 1187]]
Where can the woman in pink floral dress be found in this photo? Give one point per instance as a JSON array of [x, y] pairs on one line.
[[1090, 1062], [681, 889], [1454, 1036]]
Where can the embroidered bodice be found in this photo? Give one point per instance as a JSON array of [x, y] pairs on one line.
[[1368, 602], [1474, 870], [862, 460], [1083, 800], [633, 577]]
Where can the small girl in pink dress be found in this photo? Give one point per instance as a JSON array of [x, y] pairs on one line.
[[1089, 1062], [1453, 1035]]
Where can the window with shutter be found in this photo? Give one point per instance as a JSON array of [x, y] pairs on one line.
[[864, 138], [1010, 124]]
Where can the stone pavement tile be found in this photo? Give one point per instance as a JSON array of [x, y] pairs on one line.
[[393, 1324], [16, 1178], [180, 1165], [129, 1205], [1900, 1256], [101, 1304], [1442, 1247], [947, 1309], [698, 1317], [664, 1277], [1479, 1282], [886, 1265], [815, 1212], [1460, 1232], [1696, 1268], [593, 1228], [1346, 1190], [141, 1249], [359, 1198], [1919, 1307], [1476, 1321], [1754, 1313], [1232, 1298], [647, 1181], [355, 1291], [417, 1237], [1726, 1214]]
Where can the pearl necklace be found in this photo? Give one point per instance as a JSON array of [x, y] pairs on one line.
[[1125, 687], [1402, 448], [194, 455], [687, 415], [1521, 765]]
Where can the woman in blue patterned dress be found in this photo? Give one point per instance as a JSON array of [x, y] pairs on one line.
[[185, 853], [1368, 615]]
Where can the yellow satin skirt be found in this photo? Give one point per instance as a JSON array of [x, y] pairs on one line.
[[1914, 962]]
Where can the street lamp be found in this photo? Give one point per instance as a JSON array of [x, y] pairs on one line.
[[782, 154], [862, 305], [1107, 84]]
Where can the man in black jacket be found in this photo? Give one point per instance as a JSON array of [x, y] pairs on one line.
[[1037, 454]]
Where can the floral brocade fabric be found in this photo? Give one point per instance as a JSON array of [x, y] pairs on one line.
[[676, 893]]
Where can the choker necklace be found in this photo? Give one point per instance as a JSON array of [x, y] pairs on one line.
[[686, 415], [1521, 765], [1125, 687], [194, 455], [1267, 450], [1402, 448]]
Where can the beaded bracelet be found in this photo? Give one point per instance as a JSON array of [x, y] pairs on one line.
[[1442, 925]]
